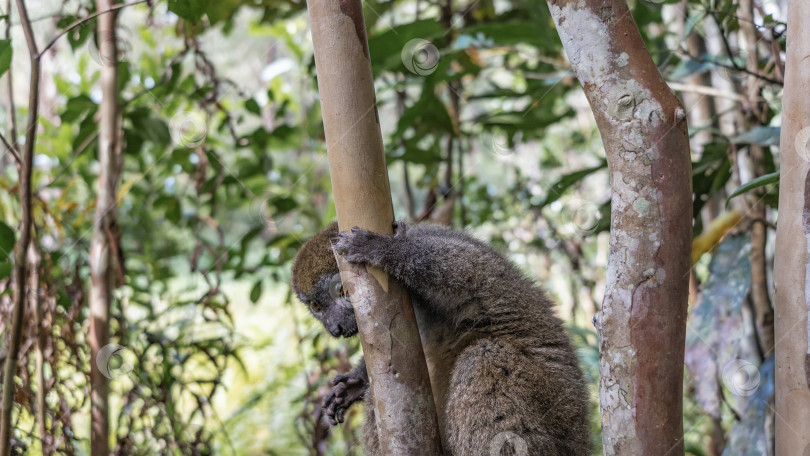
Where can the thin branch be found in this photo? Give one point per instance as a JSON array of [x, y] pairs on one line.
[[87, 19], [12, 122], [14, 152], [732, 67], [705, 90], [406, 180], [21, 249]]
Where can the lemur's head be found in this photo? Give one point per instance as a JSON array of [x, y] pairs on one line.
[[316, 281]]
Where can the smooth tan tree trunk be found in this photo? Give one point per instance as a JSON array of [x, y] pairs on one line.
[[792, 261], [643, 319], [403, 401], [100, 258]]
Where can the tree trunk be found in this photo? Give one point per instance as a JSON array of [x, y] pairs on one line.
[[403, 402], [35, 261], [100, 258], [642, 322], [792, 262], [757, 209], [21, 249]]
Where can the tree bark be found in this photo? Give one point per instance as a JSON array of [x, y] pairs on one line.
[[21, 249], [403, 401], [100, 258], [792, 260], [642, 322], [758, 211], [35, 261]]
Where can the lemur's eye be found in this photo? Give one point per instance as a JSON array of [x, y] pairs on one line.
[[314, 306]]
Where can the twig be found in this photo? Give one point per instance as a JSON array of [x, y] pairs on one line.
[[11, 149], [705, 90], [86, 19], [732, 67], [12, 122]]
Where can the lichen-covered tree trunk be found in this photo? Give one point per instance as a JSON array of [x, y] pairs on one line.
[[100, 248], [642, 322], [792, 262], [403, 402]]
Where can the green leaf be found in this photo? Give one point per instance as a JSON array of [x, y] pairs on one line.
[[150, 128], [428, 112], [170, 206], [761, 136], [761, 181], [252, 106], [567, 181], [7, 240], [5, 56], [417, 152], [5, 270], [79, 35], [385, 48], [512, 33], [256, 292], [190, 10], [282, 205], [76, 107]]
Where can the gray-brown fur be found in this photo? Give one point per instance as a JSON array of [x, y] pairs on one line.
[[501, 365]]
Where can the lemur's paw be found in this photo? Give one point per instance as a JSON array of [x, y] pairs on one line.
[[361, 246], [348, 389]]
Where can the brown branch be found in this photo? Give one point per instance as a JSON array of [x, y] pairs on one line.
[[86, 19], [705, 90], [734, 67], [758, 210], [406, 180], [12, 119], [460, 186], [14, 153], [21, 249]]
